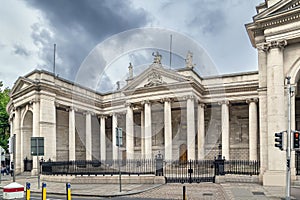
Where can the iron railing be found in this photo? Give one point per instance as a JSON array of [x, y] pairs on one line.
[[189, 171], [96, 167], [174, 171], [242, 167]]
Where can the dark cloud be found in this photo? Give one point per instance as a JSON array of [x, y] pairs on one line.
[[78, 26], [210, 17], [19, 49]]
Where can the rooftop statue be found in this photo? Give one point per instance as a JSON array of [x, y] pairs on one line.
[[157, 58], [130, 69], [189, 60]]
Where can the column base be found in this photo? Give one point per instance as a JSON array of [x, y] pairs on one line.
[[274, 178], [34, 172]]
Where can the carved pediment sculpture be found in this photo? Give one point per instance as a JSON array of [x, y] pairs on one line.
[[154, 79]]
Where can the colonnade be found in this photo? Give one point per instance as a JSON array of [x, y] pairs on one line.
[[193, 134], [195, 130]]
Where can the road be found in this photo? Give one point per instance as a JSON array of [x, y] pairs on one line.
[[295, 192]]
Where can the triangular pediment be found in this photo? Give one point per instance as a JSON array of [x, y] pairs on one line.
[[279, 8], [21, 84], [155, 76]]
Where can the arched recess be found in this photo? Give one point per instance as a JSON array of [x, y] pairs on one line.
[[26, 131], [294, 71]]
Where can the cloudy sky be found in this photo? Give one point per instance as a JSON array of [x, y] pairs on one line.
[[29, 28]]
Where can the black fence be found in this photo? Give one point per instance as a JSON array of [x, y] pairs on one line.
[[242, 167], [96, 167], [177, 171], [189, 171]]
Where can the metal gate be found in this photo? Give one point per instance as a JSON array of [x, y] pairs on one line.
[[193, 171]]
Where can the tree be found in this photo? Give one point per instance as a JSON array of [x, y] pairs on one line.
[[4, 122]]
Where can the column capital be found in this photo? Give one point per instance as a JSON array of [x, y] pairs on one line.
[[263, 47], [34, 100], [277, 44], [166, 99], [71, 108], [99, 116], [16, 109], [272, 45], [192, 97], [226, 102], [88, 113], [201, 104], [128, 104], [146, 102], [117, 114], [255, 100]]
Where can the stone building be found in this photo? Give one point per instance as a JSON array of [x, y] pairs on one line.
[[175, 112]]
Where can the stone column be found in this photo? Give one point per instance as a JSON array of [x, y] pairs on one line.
[[47, 124], [114, 136], [72, 149], [102, 139], [142, 135], [262, 94], [201, 132], [276, 118], [252, 128], [36, 119], [148, 130], [35, 132], [225, 129], [168, 129], [191, 147], [88, 136], [129, 133], [19, 144]]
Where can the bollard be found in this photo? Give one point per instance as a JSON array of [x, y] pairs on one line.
[[27, 191], [68, 189], [44, 191], [183, 193]]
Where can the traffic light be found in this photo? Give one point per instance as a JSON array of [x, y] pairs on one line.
[[296, 136], [278, 140]]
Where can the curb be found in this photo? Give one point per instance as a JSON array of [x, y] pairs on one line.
[[107, 195]]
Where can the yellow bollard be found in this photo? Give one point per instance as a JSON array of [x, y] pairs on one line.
[[27, 191], [68, 188], [44, 191]]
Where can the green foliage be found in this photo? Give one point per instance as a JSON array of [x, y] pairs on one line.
[[4, 122]]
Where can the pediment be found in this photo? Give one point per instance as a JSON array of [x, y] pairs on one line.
[[21, 84], [279, 8], [155, 76]]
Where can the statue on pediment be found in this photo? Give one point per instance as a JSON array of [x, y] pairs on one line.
[[157, 58], [189, 60], [130, 71]]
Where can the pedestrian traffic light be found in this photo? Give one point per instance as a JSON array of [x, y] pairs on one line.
[[296, 136], [278, 140]]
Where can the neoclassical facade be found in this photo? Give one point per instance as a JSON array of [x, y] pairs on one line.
[[176, 112]]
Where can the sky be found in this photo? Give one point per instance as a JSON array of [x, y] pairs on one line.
[[30, 28]]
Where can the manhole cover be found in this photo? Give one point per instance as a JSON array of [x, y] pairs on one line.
[[207, 194], [258, 193]]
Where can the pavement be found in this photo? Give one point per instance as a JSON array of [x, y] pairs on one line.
[[224, 191]]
